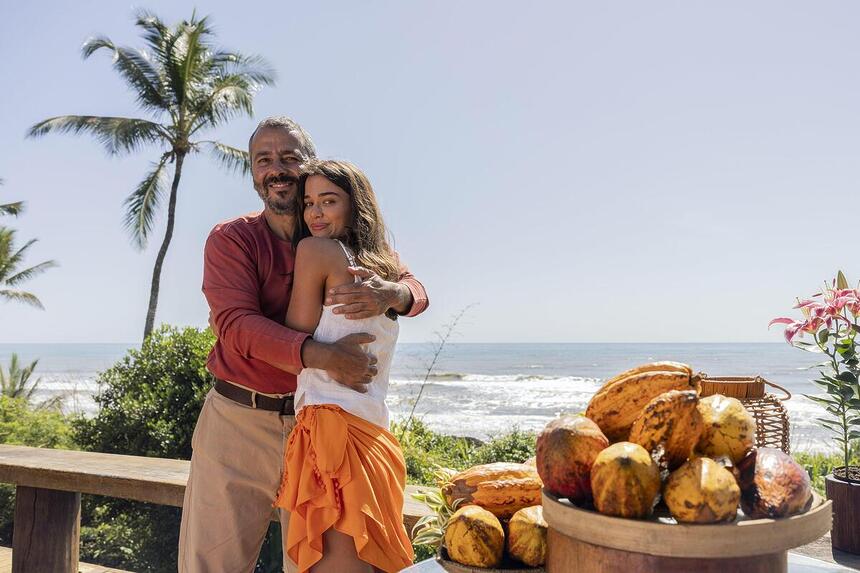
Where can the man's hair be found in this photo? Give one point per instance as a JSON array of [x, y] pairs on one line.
[[306, 144]]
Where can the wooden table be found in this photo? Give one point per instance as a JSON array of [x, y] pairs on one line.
[[796, 564]]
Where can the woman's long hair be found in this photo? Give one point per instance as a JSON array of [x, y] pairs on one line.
[[366, 233]]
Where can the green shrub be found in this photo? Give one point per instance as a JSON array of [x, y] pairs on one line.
[[819, 465], [23, 425], [148, 407], [516, 446]]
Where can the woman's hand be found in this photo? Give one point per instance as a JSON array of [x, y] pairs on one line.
[[371, 297]]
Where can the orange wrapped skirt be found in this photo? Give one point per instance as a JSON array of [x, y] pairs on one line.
[[344, 472]]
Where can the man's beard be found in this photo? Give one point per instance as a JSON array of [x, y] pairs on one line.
[[273, 200]]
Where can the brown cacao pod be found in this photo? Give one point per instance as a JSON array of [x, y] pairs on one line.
[[565, 452], [728, 429], [669, 427], [702, 491], [526, 539], [475, 537], [620, 401], [625, 481], [773, 484], [501, 488]]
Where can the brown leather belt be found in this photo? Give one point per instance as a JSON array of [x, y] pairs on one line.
[[254, 399]]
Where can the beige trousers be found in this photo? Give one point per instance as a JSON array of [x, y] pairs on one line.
[[236, 465]]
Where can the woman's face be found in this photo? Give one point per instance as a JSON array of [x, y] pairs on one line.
[[327, 208]]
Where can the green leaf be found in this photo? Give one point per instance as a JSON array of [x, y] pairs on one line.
[[846, 392], [823, 334], [847, 377], [142, 204], [117, 134]]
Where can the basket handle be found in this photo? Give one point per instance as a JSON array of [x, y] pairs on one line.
[[777, 386]]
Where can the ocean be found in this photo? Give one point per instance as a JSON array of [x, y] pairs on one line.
[[482, 390]]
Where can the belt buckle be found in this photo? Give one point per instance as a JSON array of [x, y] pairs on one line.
[[253, 399]]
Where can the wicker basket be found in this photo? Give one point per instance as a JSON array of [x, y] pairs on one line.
[[771, 417]]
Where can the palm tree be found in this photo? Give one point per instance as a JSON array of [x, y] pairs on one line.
[[11, 276], [16, 382], [11, 208], [187, 85]]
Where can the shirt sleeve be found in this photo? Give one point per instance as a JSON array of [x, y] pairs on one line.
[[231, 288], [420, 302]]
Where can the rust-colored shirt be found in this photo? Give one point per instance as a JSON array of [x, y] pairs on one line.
[[247, 280]]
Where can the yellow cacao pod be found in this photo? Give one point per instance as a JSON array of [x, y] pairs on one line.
[[526, 539], [620, 401], [501, 488], [669, 427], [625, 481], [661, 366], [702, 491], [728, 429], [475, 537]]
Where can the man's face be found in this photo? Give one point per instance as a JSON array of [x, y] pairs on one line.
[[275, 161]]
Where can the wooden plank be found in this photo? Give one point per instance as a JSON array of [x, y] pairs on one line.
[[47, 531], [741, 538], [846, 509], [6, 564], [153, 480], [569, 554]]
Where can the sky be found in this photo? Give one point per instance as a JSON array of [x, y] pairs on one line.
[[578, 171]]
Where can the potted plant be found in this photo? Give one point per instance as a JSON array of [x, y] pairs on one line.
[[831, 318]]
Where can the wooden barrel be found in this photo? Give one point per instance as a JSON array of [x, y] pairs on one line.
[[589, 542]]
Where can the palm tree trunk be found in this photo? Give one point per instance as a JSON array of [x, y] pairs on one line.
[[162, 252]]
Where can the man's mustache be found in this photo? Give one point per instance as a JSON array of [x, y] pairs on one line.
[[280, 178]]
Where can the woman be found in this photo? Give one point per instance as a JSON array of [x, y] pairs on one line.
[[344, 473]]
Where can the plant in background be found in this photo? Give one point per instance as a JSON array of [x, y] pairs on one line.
[[15, 383], [429, 531], [188, 86], [11, 273], [832, 319], [443, 337]]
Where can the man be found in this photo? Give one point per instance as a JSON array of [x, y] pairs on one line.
[[238, 443]]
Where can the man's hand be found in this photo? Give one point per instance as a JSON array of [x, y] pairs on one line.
[[371, 297], [344, 360]]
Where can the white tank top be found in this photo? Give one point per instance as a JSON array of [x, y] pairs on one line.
[[315, 386]]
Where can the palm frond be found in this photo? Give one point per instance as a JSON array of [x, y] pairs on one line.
[[230, 158], [137, 70], [28, 274], [9, 260], [21, 296], [142, 204], [255, 68], [12, 208], [229, 96], [116, 134], [16, 384]]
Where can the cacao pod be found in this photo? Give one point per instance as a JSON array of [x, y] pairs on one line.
[[565, 452], [526, 539], [669, 427], [728, 429], [474, 537], [501, 488], [773, 484], [661, 366], [702, 491], [620, 401], [625, 481]]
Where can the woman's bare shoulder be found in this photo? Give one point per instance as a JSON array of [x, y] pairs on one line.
[[320, 252]]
